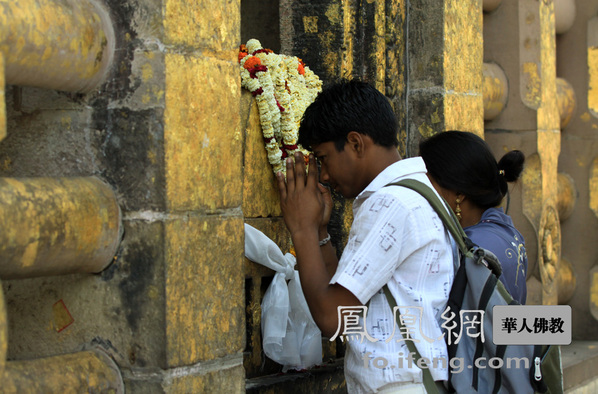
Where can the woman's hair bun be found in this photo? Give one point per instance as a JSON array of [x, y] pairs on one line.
[[512, 165]]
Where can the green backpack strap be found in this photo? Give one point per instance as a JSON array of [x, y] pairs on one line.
[[452, 224], [446, 214], [429, 382]]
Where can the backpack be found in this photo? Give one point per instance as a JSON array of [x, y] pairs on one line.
[[476, 288]]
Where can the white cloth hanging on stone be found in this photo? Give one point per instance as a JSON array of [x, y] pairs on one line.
[[289, 334]]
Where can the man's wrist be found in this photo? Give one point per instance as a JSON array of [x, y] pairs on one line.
[[325, 240]]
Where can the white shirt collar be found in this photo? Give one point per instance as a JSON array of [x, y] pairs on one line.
[[398, 170]]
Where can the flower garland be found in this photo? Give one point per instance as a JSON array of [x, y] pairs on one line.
[[283, 87]]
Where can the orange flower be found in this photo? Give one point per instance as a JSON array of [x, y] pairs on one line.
[[242, 52], [301, 67], [252, 62]]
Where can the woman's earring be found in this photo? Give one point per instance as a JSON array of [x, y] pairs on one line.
[[458, 209]]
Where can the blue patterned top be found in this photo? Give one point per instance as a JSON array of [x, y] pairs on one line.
[[496, 232]]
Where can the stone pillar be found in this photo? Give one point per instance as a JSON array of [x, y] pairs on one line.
[[445, 85], [88, 371], [203, 233], [579, 158], [520, 37], [57, 226], [56, 44]]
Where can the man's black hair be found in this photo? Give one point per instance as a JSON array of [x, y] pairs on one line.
[[349, 106]]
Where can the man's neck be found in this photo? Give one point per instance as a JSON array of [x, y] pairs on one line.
[[382, 157]]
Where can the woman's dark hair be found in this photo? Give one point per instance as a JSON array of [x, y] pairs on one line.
[[349, 106], [463, 162]]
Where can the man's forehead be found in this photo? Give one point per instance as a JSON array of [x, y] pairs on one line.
[[321, 148]]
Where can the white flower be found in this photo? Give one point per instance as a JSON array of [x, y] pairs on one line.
[[253, 45], [284, 97]]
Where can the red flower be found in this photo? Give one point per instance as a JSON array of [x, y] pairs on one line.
[[280, 107], [263, 50], [290, 147], [255, 69]]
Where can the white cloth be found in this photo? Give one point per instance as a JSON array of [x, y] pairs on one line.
[[289, 334], [404, 388], [396, 238]]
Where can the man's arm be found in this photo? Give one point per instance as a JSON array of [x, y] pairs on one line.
[[328, 251], [303, 205], [329, 256], [322, 297]]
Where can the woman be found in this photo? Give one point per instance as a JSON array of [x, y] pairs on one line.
[[464, 171]]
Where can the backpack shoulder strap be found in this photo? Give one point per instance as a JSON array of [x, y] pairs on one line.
[[440, 206], [428, 379]]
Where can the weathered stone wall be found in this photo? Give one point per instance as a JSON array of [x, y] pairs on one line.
[[164, 131]]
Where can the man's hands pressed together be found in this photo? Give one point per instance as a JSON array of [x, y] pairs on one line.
[[306, 207], [306, 204]]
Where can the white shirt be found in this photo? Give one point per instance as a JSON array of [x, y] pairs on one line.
[[396, 238]]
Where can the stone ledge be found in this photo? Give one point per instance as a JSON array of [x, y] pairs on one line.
[[580, 363], [328, 378]]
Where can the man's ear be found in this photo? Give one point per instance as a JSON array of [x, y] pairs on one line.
[[357, 143]]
